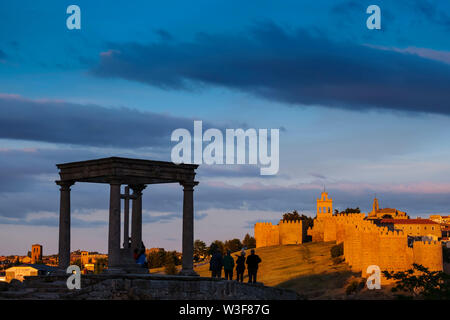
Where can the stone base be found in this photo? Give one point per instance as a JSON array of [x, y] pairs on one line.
[[143, 287], [188, 273]]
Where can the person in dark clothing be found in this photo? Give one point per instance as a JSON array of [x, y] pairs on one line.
[[228, 265], [215, 265], [240, 267], [252, 265]]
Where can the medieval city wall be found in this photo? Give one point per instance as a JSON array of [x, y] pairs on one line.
[[291, 232], [366, 244], [286, 232], [266, 234]]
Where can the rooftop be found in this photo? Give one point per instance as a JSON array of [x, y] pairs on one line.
[[408, 221]]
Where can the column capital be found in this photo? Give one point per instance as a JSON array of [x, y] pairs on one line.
[[65, 184], [188, 185], [137, 188]]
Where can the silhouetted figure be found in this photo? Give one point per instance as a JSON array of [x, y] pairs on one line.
[[215, 265], [252, 265], [240, 267], [228, 266], [142, 259]]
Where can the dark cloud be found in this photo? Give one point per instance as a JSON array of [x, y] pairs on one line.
[[164, 35], [89, 125], [431, 11], [317, 175], [294, 68]]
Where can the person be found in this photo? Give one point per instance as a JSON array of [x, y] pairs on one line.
[[135, 254], [240, 267], [228, 265], [215, 265], [252, 266], [142, 259]]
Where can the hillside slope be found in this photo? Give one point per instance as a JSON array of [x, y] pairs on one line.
[[308, 269]]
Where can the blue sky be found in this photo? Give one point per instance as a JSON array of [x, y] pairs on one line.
[[362, 111]]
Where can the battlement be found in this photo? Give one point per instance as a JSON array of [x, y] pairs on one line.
[[290, 221], [285, 232], [264, 223]]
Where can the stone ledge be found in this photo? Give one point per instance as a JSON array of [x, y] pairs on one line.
[[147, 286]]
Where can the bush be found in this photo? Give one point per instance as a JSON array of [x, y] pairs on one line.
[[337, 250], [419, 282], [170, 268], [446, 254], [352, 287], [338, 260]]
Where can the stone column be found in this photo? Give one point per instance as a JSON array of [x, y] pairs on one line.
[[188, 230], [64, 224], [136, 216], [126, 217], [114, 226]]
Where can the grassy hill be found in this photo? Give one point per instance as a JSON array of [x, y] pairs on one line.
[[307, 269]]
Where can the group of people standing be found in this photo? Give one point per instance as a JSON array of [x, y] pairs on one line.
[[227, 262]]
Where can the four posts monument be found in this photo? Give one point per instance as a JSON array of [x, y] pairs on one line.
[[135, 174]]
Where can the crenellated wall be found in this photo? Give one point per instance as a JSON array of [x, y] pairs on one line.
[[286, 232], [266, 234], [367, 244]]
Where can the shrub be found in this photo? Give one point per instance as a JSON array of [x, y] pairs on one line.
[[446, 254], [337, 250], [338, 260], [170, 268], [419, 282], [352, 287]]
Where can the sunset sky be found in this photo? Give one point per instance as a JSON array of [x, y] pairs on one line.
[[360, 111]]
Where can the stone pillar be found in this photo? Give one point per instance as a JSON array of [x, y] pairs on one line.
[[114, 226], [126, 217], [64, 224], [188, 230], [136, 216]]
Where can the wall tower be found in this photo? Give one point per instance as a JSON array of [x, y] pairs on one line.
[[324, 206]]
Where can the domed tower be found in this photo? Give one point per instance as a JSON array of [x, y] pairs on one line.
[[324, 205]]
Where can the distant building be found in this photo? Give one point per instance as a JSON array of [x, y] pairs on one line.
[[427, 228], [440, 219], [25, 259], [386, 213], [25, 270], [36, 253]]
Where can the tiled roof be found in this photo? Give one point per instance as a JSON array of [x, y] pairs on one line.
[[408, 221]]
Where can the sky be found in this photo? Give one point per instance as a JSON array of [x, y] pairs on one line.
[[361, 112]]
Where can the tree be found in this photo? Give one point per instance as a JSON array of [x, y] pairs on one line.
[[100, 265], [233, 245], [216, 245], [295, 216], [348, 211], [249, 242], [78, 263], [419, 282], [200, 249], [155, 259]]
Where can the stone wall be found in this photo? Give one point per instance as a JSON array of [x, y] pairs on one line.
[[266, 234], [286, 232], [367, 244], [144, 287]]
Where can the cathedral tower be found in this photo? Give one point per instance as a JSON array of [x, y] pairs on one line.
[[324, 206]]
